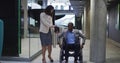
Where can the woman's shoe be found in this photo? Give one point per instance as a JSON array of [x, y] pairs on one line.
[[51, 60]]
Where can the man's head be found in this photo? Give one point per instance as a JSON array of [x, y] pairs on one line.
[[70, 26]]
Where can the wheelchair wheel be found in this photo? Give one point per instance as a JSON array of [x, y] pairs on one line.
[[61, 56], [81, 57]]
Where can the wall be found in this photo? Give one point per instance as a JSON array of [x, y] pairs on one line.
[[113, 33], [9, 14]]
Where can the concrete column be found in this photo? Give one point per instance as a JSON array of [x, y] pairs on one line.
[[98, 19], [87, 20], [24, 5], [84, 21], [44, 4], [69, 7]]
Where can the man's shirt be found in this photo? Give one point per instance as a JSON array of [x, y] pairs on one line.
[[70, 37], [76, 39]]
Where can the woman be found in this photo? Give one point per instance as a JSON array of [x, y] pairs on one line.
[[45, 32]]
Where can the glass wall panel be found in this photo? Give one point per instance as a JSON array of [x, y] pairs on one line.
[[24, 30], [30, 40], [30, 20]]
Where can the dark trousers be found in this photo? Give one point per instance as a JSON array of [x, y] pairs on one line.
[[73, 47]]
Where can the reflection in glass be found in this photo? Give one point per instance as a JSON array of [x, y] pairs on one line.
[[65, 20], [30, 41], [60, 4]]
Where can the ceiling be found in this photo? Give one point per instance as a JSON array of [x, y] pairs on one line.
[[78, 6], [111, 3]]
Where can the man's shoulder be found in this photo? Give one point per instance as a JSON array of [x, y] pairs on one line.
[[76, 30]]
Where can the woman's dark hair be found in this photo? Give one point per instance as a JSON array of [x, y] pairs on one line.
[[48, 10]]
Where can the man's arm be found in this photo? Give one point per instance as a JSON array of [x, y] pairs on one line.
[[83, 38], [59, 37]]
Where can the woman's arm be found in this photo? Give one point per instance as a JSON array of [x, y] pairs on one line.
[[46, 20]]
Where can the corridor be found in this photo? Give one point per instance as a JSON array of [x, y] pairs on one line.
[[21, 41]]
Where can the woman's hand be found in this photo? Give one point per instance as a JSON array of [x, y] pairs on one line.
[[52, 26]]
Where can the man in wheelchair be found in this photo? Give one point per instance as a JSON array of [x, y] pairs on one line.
[[71, 42]]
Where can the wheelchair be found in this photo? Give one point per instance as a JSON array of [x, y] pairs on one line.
[[71, 52]]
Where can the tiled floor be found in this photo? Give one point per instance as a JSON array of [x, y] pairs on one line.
[[112, 54], [26, 50], [13, 62]]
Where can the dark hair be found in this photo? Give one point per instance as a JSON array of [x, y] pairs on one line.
[[48, 10], [70, 23]]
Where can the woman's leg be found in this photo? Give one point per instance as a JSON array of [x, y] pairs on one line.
[[49, 52], [43, 53]]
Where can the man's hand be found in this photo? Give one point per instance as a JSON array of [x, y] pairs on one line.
[[83, 43], [81, 46], [59, 45]]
